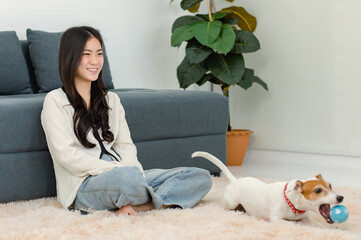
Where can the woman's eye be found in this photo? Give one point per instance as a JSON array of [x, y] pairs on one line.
[[100, 54], [318, 190]]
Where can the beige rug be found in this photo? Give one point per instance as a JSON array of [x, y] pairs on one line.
[[45, 219]]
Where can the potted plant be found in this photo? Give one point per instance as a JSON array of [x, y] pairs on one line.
[[216, 42]]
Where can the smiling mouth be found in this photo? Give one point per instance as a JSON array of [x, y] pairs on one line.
[[93, 69], [325, 212]]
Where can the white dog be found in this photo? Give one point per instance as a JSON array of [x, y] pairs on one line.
[[278, 201]]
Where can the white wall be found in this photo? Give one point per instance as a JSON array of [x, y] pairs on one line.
[[310, 58]]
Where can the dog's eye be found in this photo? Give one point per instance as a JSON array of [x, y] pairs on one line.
[[330, 186], [318, 190]]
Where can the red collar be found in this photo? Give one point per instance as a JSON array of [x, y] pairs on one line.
[[290, 204]]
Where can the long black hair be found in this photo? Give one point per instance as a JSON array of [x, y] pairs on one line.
[[72, 46]]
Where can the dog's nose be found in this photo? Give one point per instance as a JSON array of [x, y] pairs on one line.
[[339, 198]]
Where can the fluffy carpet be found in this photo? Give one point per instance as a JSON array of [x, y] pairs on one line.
[[45, 219]]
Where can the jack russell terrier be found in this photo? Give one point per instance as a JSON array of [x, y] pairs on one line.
[[278, 201]]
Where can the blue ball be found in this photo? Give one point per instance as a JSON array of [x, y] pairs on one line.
[[339, 214]]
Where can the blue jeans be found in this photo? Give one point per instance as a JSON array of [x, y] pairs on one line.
[[118, 187]]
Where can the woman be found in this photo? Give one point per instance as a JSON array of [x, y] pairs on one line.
[[95, 160]]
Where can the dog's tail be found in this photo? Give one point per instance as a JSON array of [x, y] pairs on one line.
[[216, 162]]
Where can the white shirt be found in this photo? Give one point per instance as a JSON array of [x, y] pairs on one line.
[[72, 161]]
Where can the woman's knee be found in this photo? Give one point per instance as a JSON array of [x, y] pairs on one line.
[[130, 181], [202, 176]]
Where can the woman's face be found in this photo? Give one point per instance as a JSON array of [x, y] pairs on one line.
[[91, 62]]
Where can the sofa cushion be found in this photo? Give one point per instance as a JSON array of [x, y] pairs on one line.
[[44, 53], [14, 77], [25, 48]]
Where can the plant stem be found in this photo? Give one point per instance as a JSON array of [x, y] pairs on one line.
[[209, 11], [213, 6], [225, 89]]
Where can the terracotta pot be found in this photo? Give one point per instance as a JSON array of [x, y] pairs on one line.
[[237, 142]]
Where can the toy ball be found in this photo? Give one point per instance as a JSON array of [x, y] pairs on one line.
[[339, 214]]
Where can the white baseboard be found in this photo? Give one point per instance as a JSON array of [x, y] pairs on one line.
[[339, 170]]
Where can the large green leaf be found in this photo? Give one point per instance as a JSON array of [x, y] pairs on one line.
[[195, 8], [215, 81], [225, 41], [247, 79], [230, 21], [215, 16], [180, 34], [260, 82], [219, 15], [188, 73], [245, 42], [184, 20], [207, 32], [245, 20], [196, 52], [185, 4], [208, 78], [227, 68], [205, 79]]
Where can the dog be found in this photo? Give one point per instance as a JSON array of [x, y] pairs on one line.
[[278, 201]]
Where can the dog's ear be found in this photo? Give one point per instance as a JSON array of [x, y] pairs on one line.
[[319, 177], [298, 186]]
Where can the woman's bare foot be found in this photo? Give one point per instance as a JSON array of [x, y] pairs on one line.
[[144, 207], [126, 210], [132, 210]]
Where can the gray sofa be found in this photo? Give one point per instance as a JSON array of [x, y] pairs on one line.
[[167, 126]]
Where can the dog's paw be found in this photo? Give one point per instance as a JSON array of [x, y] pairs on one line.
[[230, 204]]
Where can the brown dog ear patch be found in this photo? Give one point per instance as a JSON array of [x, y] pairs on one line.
[[319, 177]]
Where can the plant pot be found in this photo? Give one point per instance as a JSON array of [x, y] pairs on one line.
[[237, 143]]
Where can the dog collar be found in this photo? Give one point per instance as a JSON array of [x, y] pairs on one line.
[[290, 204]]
